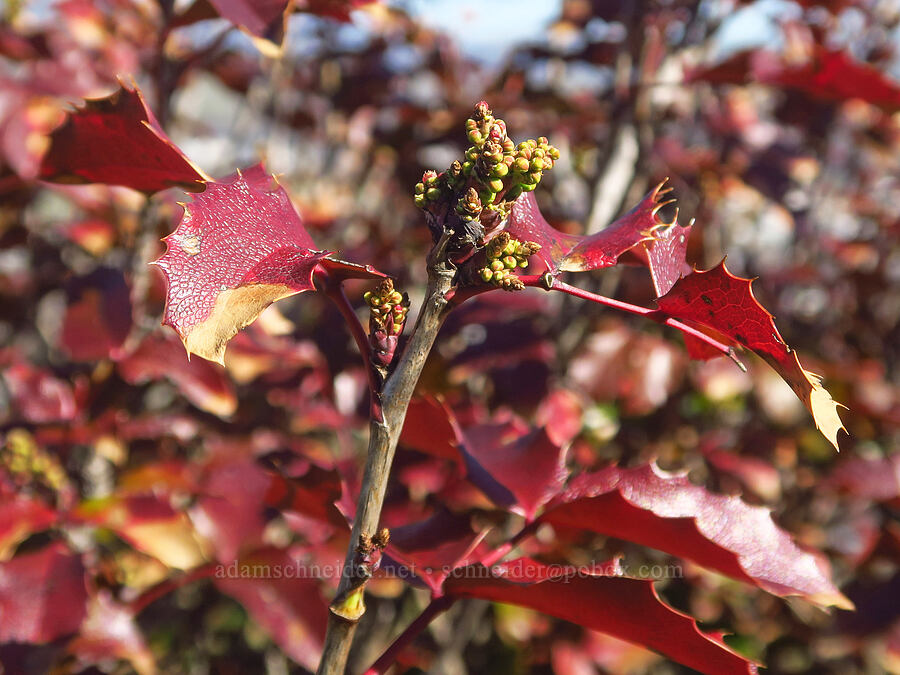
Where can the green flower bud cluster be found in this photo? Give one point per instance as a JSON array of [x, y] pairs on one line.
[[387, 308], [497, 168], [469, 205], [504, 256], [428, 190]]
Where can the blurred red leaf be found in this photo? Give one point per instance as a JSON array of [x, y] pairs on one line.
[[876, 479], [116, 140], [827, 75], [161, 357], [560, 414], [307, 490], [432, 548], [149, 524], [20, 517], [37, 396], [261, 18], [428, 428], [626, 608], [520, 474], [229, 508], [666, 511], [721, 301], [98, 317], [239, 247], [109, 631], [282, 597], [562, 252], [265, 20], [42, 595]]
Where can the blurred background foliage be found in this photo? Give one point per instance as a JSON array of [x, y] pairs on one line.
[[778, 126]]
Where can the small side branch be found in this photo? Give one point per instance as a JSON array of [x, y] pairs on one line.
[[652, 314], [420, 623]]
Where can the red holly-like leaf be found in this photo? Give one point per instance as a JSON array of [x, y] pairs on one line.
[[42, 595], [20, 517], [598, 599], [666, 511], [562, 252], [521, 473], [667, 257], [109, 631], [239, 247], [723, 302], [826, 75], [202, 384], [278, 590], [116, 140]]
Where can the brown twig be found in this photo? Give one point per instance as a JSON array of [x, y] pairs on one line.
[[347, 607]]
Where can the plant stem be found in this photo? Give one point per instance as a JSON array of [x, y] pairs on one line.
[[652, 314], [383, 438], [420, 623]]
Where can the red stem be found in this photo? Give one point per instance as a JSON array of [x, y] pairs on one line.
[[420, 623], [500, 552], [154, 593], [652, 314], [335, 291]]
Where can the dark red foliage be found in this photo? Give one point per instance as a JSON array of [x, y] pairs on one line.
[[626, 608], [520, 472], [827, 74], [725, 303], [199, 381], [667, 512], [117, 140], [36, 395], [161, 513], [281, 593], [42, 595]]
